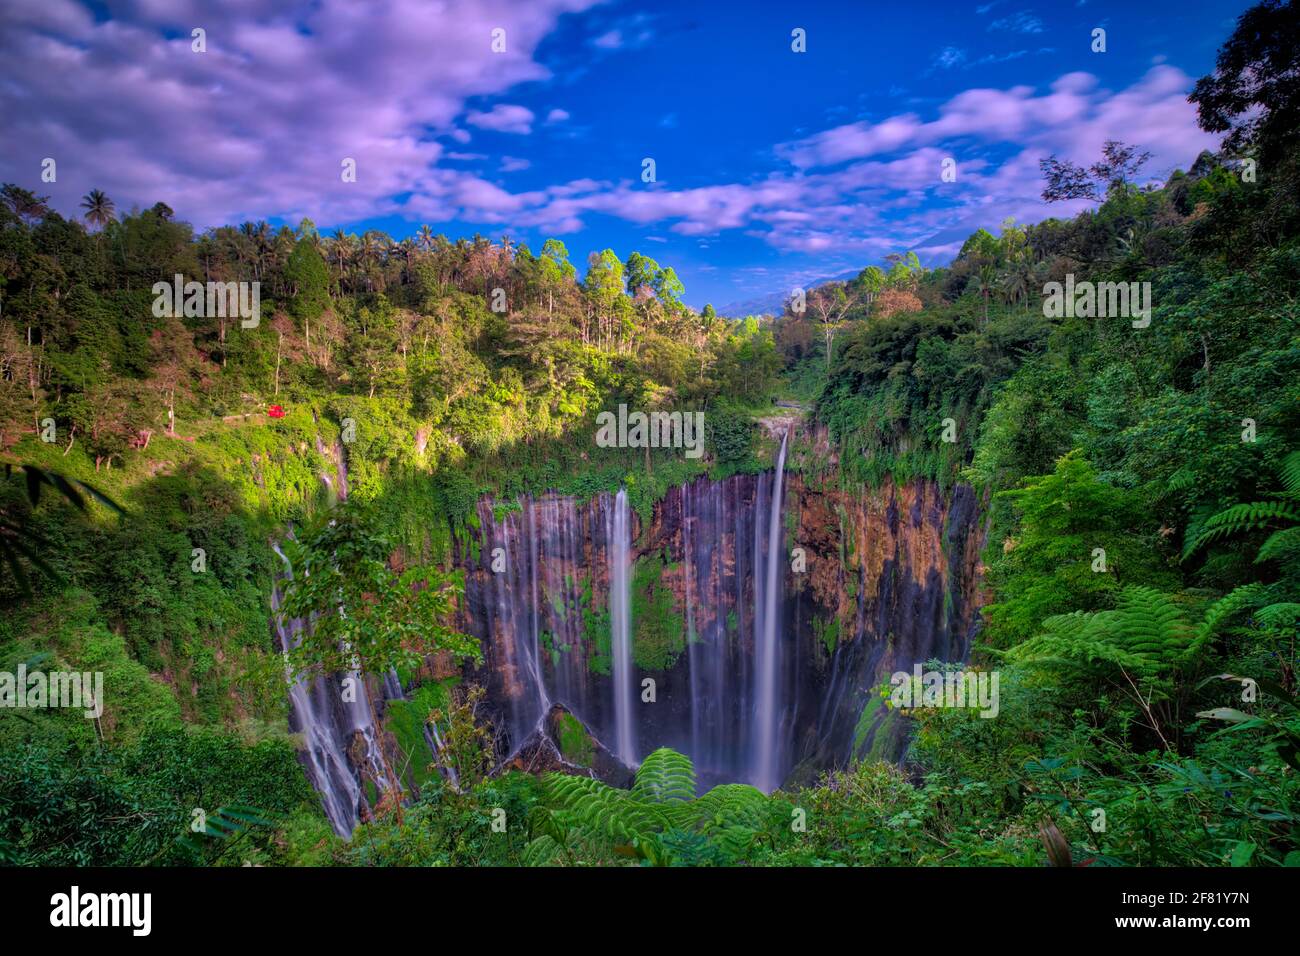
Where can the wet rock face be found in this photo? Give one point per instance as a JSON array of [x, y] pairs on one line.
[[884, 578], [562, 743]]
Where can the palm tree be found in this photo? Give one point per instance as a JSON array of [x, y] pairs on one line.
[[985, 282], [99, 208], [1015, 286], [425, 237], [341, 246]]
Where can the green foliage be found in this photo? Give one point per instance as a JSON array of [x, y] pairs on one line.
[[659, 629], [659, 822], [1146, 634], [141, 798], [731, 434], [1079, 540], [366, 617]]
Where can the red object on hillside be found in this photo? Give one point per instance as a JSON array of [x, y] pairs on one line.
[[275, 411]]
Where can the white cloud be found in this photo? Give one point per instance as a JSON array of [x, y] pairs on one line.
[[503, 118]]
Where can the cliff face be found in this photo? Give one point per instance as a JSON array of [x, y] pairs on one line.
[[863, 583], [868, 583]]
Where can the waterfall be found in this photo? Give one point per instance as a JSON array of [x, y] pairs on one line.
[[620, 617], [515, 556], [329, 725], [767, 634]]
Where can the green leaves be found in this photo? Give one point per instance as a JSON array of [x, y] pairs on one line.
[[1238, 519], [19, 543], [1146, 634], [366, 616], [659, 820], [665, 776]]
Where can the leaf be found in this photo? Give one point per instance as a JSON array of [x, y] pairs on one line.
[[1225, 713]]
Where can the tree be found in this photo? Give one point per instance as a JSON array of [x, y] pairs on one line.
[[985, 283], [868, 284], [669, 288], [308, 279], [640, 272], [367, 618], [24, 203], [373, 354], [830, 303], [1253, 94], [99, 208], [604, 286], [1118, 166], [556, 270]]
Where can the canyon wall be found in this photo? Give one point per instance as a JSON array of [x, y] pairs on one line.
[[751, 637], [869, 582]]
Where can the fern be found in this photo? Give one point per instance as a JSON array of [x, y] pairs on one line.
[[1230, 605], [1237, 519], [1281, 545], [1280, 615], [665, 776], [1289, 474], [1146, 633], [659, 820]]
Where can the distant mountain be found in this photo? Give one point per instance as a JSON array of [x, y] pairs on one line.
[[773, 303]]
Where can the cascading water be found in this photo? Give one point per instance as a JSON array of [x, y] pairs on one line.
[[620, 616], [333, 724], [767, 634], [310, 714]]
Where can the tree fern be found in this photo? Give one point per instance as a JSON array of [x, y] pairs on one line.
[[1238, 519], [1145, 634], [1275, 605], [1281, 545], [1283, 614], [659, 820], [665, 776], [1231, 604], [1289, 474]]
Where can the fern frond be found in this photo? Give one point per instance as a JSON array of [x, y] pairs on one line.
[[615, 813], [1281, 615], [1236, 519], [1281, 545], [1289, 473], [665, 776], [544, 851], [1230, 605], [1152, 626], [1146, 633]]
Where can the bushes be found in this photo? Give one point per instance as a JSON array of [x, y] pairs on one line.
[[142, 799]]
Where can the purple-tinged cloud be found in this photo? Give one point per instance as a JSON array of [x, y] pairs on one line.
[[503, 118]]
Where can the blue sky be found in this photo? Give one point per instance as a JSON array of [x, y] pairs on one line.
[[773, 168]]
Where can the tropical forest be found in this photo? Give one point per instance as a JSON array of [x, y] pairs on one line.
[[369, 543]]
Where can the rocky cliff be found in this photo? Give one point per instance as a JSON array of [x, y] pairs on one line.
[[869, 582]]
